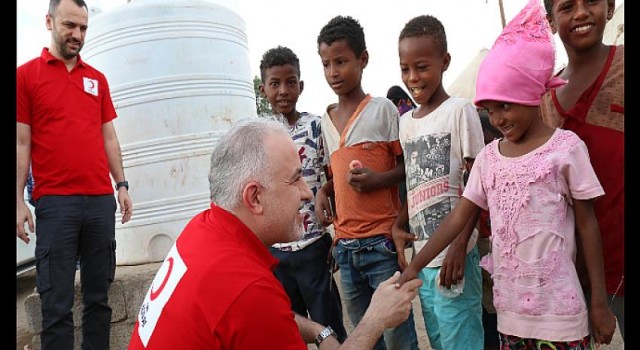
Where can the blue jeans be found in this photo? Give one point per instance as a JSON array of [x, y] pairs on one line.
[[454, 323], [364, 264]]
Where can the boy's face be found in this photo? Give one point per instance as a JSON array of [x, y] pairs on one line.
[[421, 66], [282, 87], [342, 69], [580, 23]]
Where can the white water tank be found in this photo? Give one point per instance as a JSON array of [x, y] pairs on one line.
[[179, 76]]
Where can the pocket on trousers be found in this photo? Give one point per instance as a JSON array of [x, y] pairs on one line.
[[112, 260], [386, 247], [43, 269]]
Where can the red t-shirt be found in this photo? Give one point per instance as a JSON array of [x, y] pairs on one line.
[[216, 290], [66, 111], [598, 119]]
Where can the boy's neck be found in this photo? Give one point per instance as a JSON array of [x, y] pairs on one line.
[[292, 117], [433, 103], [352, 98], [586, 60]]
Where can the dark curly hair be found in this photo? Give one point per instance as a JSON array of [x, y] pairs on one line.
[[426, 25], [343, 28], [278, 56]]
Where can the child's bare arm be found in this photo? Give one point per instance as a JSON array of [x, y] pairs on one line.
[[440, 239], [323, 209], [400, 236], [603, 322], [452, 269]]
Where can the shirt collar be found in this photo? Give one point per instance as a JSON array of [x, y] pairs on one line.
[[237, 230], [49, 58]]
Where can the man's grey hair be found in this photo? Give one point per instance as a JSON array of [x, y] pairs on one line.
[[240, 157]]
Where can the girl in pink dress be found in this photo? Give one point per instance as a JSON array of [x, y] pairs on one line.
[[539, 186]]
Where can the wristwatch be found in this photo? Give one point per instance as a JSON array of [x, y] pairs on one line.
[[326, 333], [124, 184]]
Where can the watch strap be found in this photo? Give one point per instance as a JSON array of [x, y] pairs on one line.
[[124, 184], [324, 334]]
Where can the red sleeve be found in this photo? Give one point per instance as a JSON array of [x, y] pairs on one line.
[[260, 318], [23, 107], [108, 110]]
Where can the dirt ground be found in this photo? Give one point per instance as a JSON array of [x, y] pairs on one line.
[[25, 285]]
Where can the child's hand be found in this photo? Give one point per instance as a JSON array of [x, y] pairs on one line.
[[323, 208], [400, 238], [408, 274], [360, 178], [603, 323], [452, 269]]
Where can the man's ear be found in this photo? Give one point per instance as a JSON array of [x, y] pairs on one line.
[[301, 83], [251, 197], [49, 21]]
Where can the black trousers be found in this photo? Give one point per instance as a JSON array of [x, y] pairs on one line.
[[68, 228], [306, 278]]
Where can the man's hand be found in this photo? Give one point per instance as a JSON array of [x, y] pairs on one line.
[[23, 215], [126, 206], [391, 305]]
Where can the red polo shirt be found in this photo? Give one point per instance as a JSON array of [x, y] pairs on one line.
[[216, 290], [66, 111]]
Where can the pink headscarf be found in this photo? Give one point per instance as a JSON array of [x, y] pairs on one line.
[[519, 66]]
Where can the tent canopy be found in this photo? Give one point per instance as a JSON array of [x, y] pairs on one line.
[[465, 83]]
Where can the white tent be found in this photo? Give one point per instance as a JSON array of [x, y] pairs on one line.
[[614, 30], [465, 83]]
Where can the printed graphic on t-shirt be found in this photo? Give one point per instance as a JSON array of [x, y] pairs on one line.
[[427, 169], [164, 284]]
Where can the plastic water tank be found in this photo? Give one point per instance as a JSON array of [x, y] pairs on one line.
[[179, 75]]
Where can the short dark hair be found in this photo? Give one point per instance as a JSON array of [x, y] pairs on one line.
[[53, 5], [278, 56], [426, 25], [548, 6], [343, 28]]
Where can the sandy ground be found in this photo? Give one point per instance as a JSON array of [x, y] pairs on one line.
[[25, 285]]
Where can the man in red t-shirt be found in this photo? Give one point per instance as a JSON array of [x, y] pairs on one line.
[[216, 288], [64, 123]]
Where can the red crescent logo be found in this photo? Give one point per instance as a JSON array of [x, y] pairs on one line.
[[92, 84], [156, 293]]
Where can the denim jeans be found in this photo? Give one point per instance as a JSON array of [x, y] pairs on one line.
[[364, 264]]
